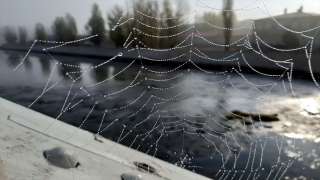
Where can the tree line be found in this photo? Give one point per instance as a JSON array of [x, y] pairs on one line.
[[153, 24]]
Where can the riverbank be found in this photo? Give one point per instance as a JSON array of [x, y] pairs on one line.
[[269, 63]]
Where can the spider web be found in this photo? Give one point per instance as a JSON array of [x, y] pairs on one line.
[[175, 119]]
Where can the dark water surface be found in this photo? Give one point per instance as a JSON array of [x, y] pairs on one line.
[[176, 116]]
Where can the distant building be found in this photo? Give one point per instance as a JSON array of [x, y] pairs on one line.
[[213, 37], [215, 40], [272, 33]]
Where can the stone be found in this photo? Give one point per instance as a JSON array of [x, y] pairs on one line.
[[131, 176], [61, 157]]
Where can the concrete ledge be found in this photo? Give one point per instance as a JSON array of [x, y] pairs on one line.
[[25, 134]]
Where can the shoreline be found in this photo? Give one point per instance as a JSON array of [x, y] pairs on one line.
[[248, 61]]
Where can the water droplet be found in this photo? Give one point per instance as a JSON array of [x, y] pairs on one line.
[[120, 54]]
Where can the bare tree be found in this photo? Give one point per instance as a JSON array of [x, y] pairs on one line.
[[9, 34], [23, 35], [228, 21]]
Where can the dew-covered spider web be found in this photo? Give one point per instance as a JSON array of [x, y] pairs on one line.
[[183, 104]]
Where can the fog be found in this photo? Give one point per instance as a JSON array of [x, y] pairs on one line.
[[29, 12]]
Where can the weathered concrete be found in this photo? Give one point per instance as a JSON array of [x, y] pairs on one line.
[[251, 63], [2, 173], [25, 134]]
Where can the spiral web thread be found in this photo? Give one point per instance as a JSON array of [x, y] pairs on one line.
[[215, 135]]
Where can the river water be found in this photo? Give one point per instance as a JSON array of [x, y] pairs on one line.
[[177, 116]]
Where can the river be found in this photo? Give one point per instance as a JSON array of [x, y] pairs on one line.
[[176, 115]]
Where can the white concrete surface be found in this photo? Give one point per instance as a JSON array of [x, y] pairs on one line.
[[25, 134]]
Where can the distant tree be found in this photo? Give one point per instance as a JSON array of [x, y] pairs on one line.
[[228, 21], [169, 22], [59, 29], [149, 23], [9, 34], [117, 33], [211, 18], [71, 28], [23, 35], [96, 26], [291, 40], [146, 25], [40, 32], [65, 29]]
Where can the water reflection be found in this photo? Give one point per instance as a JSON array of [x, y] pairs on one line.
[[13, 60], [27, 63], [73, 70], [100, 74], [45, 65]]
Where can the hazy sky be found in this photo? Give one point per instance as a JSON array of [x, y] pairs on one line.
[[28, 12]]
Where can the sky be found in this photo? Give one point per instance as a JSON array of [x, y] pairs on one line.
[[29, 12]]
